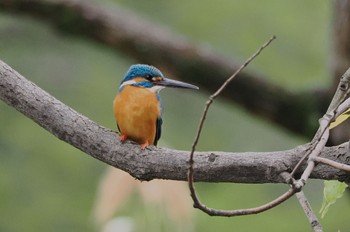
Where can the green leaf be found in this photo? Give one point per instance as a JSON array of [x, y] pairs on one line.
[[333, 190]]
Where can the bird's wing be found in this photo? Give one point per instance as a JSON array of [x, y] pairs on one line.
[[158, 130], [118, 127]]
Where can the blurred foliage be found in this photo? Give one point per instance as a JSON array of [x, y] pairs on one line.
[[46, 185]]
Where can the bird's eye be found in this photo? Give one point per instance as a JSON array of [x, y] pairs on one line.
[[155, 79], [149, 76]]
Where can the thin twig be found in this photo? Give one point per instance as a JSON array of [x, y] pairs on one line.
[[320, 135], [332, 163], [314, 153], [197, 203], [212, 97], [307, 153], [343, 107], [241, 212], [342, 91], [315, 224], [338, 105]]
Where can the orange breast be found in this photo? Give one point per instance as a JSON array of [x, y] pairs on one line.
[[136, 110]]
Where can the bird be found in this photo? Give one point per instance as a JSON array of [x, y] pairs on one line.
[[137, 106]]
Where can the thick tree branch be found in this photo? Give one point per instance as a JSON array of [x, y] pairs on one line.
[[161, 163], [150, 43]]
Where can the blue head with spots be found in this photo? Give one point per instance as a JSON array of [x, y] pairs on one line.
[[142, 70], [146, 76]]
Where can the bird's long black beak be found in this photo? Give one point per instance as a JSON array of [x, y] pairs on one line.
[[166, 82]]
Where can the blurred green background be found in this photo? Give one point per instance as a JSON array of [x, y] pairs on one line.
[[47, 185]]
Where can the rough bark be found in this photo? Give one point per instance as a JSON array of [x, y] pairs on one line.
[[153, 44], [161, 163]]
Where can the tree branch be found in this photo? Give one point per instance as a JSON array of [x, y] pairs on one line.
[[150, 43], [156, 163], [333, 164]]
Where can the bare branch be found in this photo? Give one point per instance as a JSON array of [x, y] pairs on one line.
[[316, 151], [315, 224], [339, 104], [336, 107], [160, 163], [332, 163], [342, 108], [241, 212], [341, 92]]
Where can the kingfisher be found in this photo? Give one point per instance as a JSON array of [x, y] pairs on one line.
[[137, 106]]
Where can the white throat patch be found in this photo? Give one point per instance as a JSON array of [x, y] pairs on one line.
[[153, 89], [156, 88], [129, 82]]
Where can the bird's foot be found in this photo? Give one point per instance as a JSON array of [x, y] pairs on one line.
[[123, 137], [143, 146]]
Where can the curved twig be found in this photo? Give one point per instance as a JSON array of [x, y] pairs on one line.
[[197, 202]]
